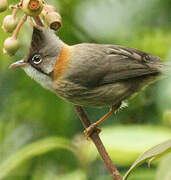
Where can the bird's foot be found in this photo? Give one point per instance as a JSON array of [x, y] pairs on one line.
[[90, 130]]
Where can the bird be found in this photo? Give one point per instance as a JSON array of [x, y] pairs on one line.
[[89, 74]]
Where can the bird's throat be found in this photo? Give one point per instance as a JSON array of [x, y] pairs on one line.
[[39, 77]]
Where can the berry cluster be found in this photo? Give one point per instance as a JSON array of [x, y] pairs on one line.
[[38, 11]]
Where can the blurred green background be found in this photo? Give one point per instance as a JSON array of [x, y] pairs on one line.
[[40, 134]]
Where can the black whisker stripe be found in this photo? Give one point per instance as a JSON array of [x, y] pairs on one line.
[[40, 70]]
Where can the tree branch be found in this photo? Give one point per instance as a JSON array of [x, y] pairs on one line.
[[99, 145]]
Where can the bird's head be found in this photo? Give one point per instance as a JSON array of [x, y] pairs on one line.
[[43, 54]]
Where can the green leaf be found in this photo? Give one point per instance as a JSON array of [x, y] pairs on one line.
[[155, 151], [164, 168], [126, 143], [34, 149]]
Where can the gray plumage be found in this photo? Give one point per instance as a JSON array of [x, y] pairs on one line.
[[97, 75]]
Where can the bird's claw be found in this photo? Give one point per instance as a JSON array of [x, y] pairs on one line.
[[91, 129]]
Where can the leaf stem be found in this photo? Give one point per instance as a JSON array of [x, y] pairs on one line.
[[38, 21], [22, 21]]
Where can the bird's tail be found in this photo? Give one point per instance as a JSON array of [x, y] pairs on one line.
[[162, 68], [165, 68]]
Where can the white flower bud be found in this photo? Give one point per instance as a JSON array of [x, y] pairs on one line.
[[3, 5], [9, 23], [32, 7], [11, 45], [53, 20]]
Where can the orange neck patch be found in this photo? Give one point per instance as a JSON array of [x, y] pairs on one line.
[[62, 62]]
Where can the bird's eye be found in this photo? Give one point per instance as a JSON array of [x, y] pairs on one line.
[[37, 59]]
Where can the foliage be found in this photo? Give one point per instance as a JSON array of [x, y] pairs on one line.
[[164, 168], [151, 154], [31, 150]]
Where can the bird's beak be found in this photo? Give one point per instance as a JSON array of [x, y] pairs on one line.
[[20, 63]]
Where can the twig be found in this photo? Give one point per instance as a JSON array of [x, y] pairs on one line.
[[99, 145], [38, 21], [22, 21]]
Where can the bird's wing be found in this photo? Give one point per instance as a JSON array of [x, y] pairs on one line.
[[126, 63], [96, 65]]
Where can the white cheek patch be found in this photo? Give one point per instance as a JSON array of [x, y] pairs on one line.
[[41, 78]]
